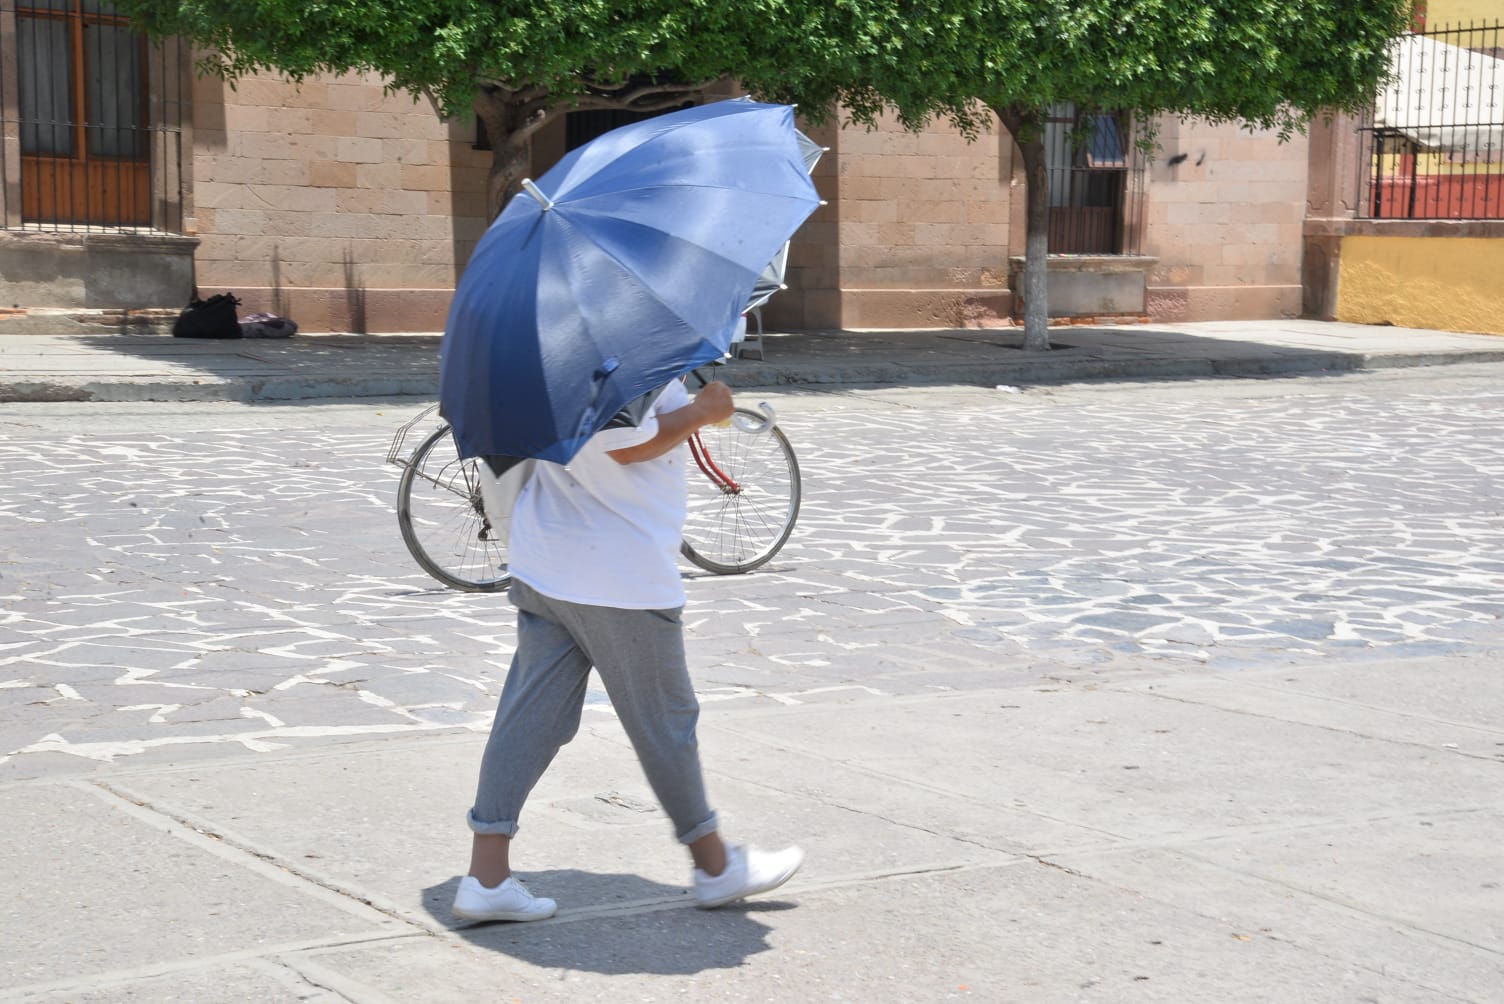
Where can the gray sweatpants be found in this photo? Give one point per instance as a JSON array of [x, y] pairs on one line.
[[639, 655]]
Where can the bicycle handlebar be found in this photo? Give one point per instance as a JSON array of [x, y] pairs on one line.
[[747, 423]]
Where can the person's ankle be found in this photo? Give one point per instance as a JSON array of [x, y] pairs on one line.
[[709, 854], [490, 880]]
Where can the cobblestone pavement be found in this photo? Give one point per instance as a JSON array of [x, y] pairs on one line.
[[178, 594]]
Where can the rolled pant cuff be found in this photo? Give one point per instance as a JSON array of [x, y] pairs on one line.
[[705, 829], [504, 829]]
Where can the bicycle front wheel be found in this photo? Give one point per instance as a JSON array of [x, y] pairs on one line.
[[443, 518], [743, 497]]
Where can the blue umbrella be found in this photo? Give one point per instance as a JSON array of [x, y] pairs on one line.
[[626, 265]]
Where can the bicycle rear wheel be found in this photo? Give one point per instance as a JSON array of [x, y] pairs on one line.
[[743, 497], [443, 518]]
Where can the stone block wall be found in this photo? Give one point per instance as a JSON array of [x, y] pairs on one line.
[[1225, 223], [332, 203], [915, 234], [348, 209], [920, 227]]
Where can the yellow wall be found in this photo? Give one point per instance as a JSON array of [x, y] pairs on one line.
[[1451, 283], [1440, 13]]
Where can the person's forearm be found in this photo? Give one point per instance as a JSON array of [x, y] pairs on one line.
[[674, 428]]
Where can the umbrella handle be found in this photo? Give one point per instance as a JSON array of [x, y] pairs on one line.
[[747, 423]]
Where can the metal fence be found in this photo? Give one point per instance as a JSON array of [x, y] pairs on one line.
[[92, 117], [1097, 171], [1433, 142]]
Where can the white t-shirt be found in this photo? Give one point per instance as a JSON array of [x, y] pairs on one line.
[[605, 533]]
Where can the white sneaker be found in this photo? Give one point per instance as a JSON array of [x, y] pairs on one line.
[[508, 901], [749, 871]]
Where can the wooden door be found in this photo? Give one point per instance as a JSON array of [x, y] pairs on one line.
[[85, 155]]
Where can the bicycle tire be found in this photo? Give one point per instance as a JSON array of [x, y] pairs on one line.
[[443, 519], [732, 530]]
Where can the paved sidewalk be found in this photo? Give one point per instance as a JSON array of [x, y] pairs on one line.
[[137, 367], [1256, 837], [1310, 829]]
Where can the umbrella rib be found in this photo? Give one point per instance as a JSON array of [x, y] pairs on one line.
[[577, 209], [605, 176], [616, 193], [661, 135], [627, 271]]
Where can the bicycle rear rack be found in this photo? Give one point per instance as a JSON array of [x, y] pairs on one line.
[[396, 455]]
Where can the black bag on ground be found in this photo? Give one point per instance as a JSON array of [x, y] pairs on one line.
[[211, 318]]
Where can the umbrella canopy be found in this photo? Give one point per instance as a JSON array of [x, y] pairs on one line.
[[625, 266], [770, 280]]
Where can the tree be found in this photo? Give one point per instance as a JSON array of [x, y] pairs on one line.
[[1273, 64], [1270, 63], [517, 65]]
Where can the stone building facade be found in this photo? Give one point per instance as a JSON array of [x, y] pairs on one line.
[[351, 209], [334, 203]]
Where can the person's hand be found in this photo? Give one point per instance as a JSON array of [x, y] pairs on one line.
[[714, 403]]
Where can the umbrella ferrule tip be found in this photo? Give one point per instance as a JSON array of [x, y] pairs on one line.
[[535, 192]]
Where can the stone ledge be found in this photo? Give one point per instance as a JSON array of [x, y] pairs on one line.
[[1102, 263], [98, 241], [86, 269], [70, 320], [1343, 226], [1089, 286]]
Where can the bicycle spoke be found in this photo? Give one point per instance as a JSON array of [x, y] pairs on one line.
[[443, 518], [736, 530]]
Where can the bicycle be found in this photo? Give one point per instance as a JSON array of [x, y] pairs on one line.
[[744, 494]]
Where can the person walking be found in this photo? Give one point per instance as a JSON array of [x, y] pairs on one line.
[[593, 554]]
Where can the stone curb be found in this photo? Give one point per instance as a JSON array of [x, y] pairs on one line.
[[325, 381]]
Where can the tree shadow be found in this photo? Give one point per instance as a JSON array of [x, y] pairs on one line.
[[355, 294], [835, 361], [615, 924], [294, 370], [338, 366]]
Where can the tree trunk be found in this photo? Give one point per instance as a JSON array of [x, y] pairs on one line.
[[1027, 127], [510, 162], [513, 115], [511, 145]]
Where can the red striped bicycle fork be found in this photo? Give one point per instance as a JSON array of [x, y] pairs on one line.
[[703, 460]]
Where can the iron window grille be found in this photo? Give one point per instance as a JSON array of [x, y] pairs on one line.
[[93, 119], [1096, 172], [1432, 143]]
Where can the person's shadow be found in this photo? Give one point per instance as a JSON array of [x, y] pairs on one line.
[[614, 924]]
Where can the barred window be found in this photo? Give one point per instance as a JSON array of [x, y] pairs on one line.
[[81, 86], [1096, 182]]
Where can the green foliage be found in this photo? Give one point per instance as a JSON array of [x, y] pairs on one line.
[[448, 48], [1271, 63]]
